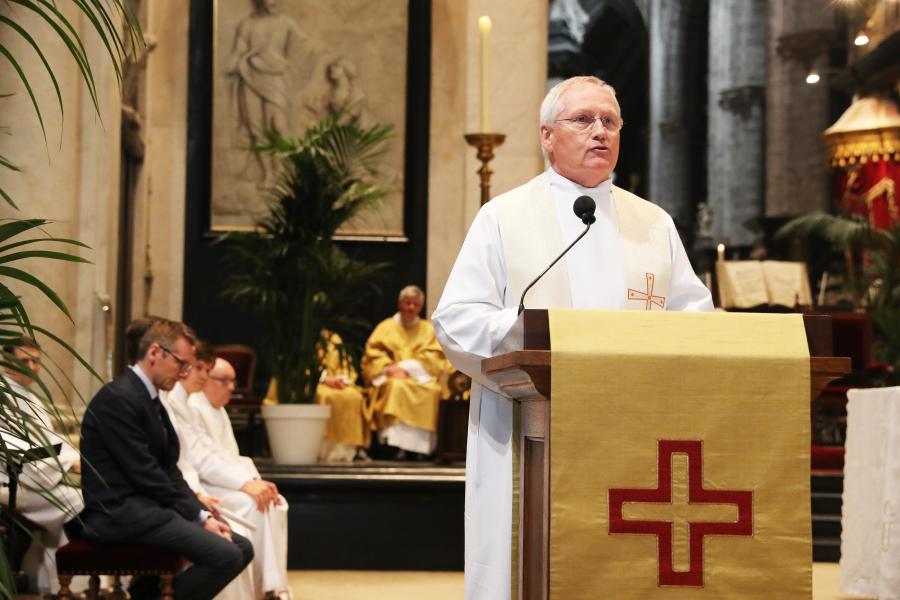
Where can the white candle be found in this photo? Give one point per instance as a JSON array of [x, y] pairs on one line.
[[484, 26], [720, 249]]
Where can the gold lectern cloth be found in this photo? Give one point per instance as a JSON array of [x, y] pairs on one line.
[[628, 385]]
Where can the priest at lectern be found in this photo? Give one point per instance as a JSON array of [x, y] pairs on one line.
[[630, 259]]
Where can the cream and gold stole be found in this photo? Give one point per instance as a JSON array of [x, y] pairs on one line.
[[531, 240]]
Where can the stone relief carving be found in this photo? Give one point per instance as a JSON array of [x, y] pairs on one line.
[[266, 46], [286, 65]]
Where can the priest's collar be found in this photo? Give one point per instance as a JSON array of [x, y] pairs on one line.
[[567, 190]]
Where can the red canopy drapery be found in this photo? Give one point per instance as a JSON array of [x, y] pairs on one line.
[[863, 147]]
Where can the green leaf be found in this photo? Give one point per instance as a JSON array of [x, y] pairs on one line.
[[24, 79], [8, 199], [68, 241], [71, 40], [50, 254], [30, 279], [30, 40], [14, 227], [5, 163], [70, 350], [101, 30]]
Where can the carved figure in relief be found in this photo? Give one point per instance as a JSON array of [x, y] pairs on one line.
[[345, 95], [267, 47]]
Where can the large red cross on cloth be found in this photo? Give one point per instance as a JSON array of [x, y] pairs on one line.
[[697, 494], [679, 460]]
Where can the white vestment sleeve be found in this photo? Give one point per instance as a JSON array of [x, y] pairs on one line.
[[686, 291], [471, 320], [212, 464]]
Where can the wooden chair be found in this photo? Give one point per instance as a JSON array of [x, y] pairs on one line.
[[80, 557], [244, 408], [243, 359], [453, 420]]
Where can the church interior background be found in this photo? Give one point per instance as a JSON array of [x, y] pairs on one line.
[[740, 115]]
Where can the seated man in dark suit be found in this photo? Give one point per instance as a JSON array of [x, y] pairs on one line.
[[133, 490]]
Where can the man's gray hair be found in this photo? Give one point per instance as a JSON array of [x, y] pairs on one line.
[[552, 106], [411, 291]]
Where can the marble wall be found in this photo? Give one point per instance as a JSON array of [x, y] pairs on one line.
[[70, 178]]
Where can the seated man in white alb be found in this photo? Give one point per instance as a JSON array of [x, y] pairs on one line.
[[45, 496], [190, 435], [240, 487], [402, 365]]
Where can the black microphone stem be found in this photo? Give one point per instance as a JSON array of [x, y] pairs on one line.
[[538, 278]]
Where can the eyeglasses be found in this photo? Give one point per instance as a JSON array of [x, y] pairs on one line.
[[609, 122], [224, 380], [183, 365]]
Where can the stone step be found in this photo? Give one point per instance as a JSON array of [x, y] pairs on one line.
[[826, 503], [827, 481], [826, 526]]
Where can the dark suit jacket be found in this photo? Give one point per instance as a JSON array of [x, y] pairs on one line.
[[130, 477]]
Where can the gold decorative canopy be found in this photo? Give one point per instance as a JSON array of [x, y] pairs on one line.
[[869, 130]]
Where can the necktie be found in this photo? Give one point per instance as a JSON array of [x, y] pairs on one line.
[[162, 421]]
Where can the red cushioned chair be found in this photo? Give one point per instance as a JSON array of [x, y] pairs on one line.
[[243, 359], [80, 557]]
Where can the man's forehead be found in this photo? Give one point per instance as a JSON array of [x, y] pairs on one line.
[[587, 96], [222, 368], [185, 347], [27, 351]]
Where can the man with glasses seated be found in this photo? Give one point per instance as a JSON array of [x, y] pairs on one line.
[[134, 492], [47, 494], [630, 259], [235, 481]]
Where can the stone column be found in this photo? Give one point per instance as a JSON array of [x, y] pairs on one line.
[[158, 262], [669, 149], [737, 75], [796, 112]]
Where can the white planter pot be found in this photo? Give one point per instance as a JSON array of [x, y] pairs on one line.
[[295, 431]]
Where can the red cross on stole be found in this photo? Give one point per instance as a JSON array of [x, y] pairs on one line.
[[647, 296], [697, 494]]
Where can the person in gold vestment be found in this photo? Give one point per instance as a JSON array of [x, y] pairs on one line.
[[347, 431], [402, 367]]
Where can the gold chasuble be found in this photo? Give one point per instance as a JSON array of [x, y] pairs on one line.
[[680, 456], [415, 399], [347, 424]]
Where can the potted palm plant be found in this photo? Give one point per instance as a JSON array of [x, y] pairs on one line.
[[293, 275]]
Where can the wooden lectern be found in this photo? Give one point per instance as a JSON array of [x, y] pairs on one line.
[[524, 376]]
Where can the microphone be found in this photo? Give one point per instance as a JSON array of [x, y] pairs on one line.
[[584, 208]]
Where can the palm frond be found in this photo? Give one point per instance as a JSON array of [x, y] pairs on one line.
[[844, 232], [289, 271]]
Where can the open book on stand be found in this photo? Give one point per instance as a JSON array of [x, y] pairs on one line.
[[745, 284]]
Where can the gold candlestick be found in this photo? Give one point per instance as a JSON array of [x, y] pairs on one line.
[[485, 143]]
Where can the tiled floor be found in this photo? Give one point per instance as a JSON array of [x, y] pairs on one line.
[[405, 585]]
